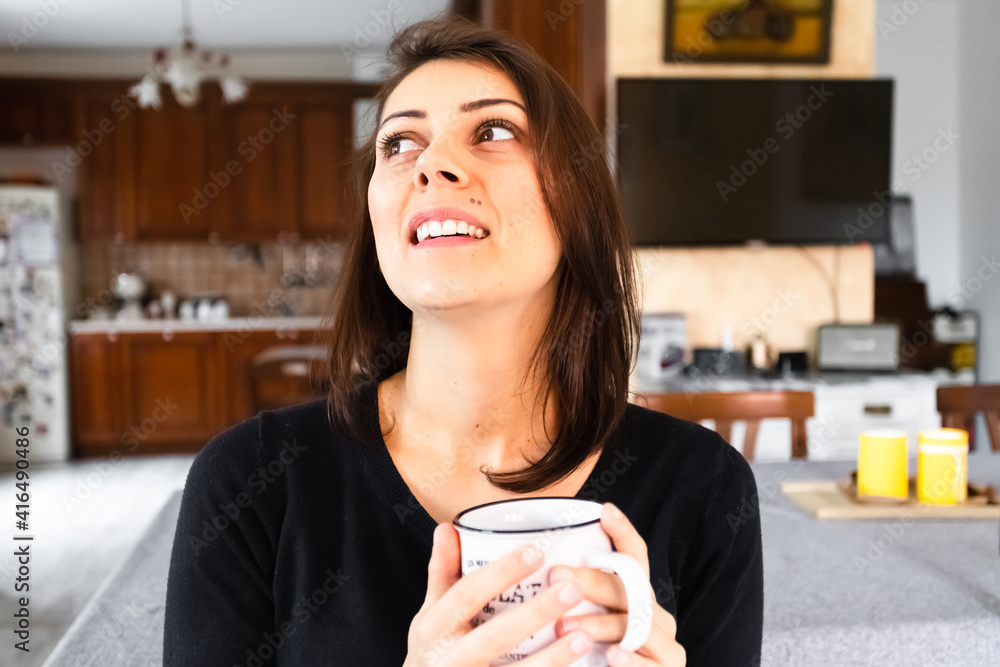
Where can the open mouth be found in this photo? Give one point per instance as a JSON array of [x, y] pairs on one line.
[[435, 229]]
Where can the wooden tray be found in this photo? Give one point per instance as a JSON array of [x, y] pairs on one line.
[[835, 500]]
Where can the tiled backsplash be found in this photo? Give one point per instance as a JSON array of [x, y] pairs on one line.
[[246, 274]]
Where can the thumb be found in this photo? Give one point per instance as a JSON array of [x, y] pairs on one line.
[[445, 567]]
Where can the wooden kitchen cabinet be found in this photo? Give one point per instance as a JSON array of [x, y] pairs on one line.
[[271, 167], [34, 113], [140, 170], [96, 391], [175, 391], [102, 214], [325, 143], [152, 393], [289, 145], [257, 146], [167, 189]]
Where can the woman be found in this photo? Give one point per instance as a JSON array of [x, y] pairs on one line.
[[481, 349]]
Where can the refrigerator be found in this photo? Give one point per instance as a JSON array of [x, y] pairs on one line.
[[33, 342]]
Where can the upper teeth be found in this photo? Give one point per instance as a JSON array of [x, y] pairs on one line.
[[447, 228]]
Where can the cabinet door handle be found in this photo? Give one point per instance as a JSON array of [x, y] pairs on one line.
[[878, 410]]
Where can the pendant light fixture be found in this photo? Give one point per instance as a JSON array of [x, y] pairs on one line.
[[185, 67]]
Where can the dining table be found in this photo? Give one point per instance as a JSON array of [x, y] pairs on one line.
[[903, 591], [906, 592]]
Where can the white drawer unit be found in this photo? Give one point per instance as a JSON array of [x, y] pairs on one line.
[[843, 412], [845, 409]]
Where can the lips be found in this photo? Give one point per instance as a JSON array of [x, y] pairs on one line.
[[440, 215]]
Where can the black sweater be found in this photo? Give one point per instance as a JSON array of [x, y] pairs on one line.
[[297, 546]]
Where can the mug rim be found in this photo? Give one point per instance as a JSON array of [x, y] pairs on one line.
[[518, 531]]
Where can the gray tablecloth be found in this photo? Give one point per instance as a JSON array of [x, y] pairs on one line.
[[877, 592], [122, 625], [835, 592]]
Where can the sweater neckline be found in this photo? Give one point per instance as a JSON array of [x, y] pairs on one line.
[[408, 509]]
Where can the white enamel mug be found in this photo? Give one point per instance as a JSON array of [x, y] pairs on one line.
[[568, 531]]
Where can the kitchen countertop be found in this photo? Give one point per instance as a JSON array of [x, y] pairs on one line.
[[247, 323]]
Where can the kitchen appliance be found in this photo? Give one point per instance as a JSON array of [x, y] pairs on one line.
[[717, 362], [662, 346], [858, 347], [32, 333], [130, 288]]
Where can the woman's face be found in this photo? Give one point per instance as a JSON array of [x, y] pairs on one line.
[[453, 158]]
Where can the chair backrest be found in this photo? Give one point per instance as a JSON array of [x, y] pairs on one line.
[[285, 375], [958, 406], [750, 406]]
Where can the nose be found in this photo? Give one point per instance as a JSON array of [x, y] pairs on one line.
[[440, 163]]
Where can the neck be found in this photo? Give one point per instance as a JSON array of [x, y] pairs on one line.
[[463, 394]]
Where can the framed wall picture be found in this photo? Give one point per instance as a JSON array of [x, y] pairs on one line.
[[748, 31]]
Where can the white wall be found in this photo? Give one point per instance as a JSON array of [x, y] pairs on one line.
[[945, 57], [916, 44], [979, 94]]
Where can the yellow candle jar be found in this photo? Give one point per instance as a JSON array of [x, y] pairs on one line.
[[942, 461], [882, 465]]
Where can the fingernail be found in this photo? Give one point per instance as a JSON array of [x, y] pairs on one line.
[[613, 512], [569, 624], [532, 555], [569, 594], [616, 657], [580, 644], [560, 574], [437, 533]]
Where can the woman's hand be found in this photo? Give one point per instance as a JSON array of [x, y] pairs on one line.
[[441, 633], [606, 589]]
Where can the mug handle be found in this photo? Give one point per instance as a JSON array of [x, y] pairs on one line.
[[638, 594]]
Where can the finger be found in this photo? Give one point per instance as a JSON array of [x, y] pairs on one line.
[[660, 649], [674, 656], [625, 537], [619, 658], [470, 593], [602, 627], [565, 651], [445, 567], [603, 588], [662, 636], [506, 630], [665, 621]]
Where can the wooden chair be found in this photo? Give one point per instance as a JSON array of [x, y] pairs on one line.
[[749, 406], [959, 405], [284, 375]]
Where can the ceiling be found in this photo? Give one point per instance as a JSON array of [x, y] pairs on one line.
[[231, 24]]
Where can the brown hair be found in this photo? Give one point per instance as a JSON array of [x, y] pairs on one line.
[[586, 350]]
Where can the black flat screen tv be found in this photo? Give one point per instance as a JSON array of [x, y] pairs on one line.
[[733, 161]]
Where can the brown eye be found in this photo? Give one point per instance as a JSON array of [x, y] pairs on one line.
[[495, 133]]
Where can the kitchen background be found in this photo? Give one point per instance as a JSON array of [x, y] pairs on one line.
[[274, 229], [139, 389]]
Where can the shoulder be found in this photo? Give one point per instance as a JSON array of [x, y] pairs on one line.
[[235, 454], [262, 430], [678, 472], [683, 446]]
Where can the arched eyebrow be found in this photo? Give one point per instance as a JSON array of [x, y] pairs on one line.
[[489, 102], [465, 108]]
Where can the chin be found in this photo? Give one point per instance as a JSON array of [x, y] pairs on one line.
[[437, 294]]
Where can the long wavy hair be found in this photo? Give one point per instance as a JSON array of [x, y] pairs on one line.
[[585, 353]]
